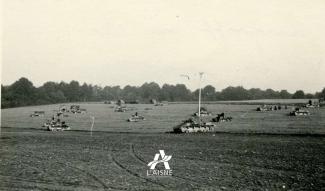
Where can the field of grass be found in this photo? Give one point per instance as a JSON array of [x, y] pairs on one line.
[[256, 151], [259, 101], [164, 118]]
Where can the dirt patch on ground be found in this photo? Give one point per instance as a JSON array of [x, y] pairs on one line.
[[41, 160]]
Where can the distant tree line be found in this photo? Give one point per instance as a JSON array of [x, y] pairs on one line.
[[24, 93]]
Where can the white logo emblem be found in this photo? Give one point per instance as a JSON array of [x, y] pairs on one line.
[[164, 159]]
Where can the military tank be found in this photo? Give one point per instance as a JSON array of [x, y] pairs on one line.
[[194, 125], [120, 109], [76, 109], [136, 118], [203, 112], [37, 114], [221, 118], [197, 123], [299, 112], [56, 126]]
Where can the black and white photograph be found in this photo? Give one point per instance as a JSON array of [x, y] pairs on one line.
[[162, 95]]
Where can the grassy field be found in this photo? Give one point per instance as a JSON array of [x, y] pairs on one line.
[[163, 119], [259, 101], [256, 151]]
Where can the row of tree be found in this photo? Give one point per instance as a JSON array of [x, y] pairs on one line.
[[23, 93]]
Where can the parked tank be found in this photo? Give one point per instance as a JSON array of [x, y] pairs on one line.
[[203, 111], [299, 112], [56, 125], [159, 104], [312, 104], [37, 114], [136, 118], [63, 109], [194, 125], [221, 118], [268, 108], [77, 109], [120, 109]]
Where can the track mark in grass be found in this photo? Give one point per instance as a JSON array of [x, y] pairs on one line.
[[135, 174], [92, 176], [135, 155], [86, 172], [28, 184], [118, 164], [248, 167]]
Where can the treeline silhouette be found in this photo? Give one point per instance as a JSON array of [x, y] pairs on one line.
[[23, 93]]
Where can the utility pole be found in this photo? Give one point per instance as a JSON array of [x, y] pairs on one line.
[[92, 125], [201, 74]]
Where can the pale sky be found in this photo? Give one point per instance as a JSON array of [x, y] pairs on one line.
[[278, 44]]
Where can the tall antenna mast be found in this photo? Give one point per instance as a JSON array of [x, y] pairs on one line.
[[201, 74]]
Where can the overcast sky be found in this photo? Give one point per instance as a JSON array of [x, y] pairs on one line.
[[277, 44]]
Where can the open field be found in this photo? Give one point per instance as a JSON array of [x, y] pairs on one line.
[[164, 118], [41, 160], [256, 151], [260, 101]]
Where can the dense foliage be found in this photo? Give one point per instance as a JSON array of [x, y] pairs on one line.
[[23, 93]]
